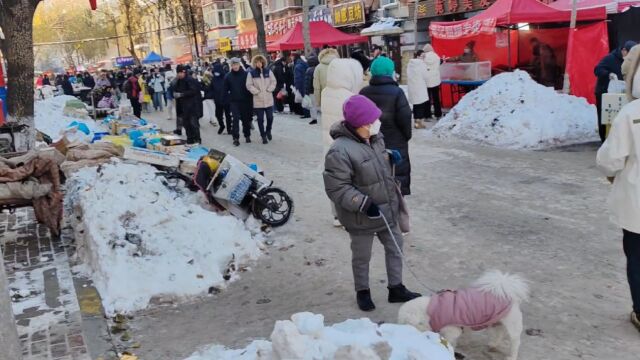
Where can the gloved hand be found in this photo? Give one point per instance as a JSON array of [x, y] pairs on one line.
[[395, 156], [613, 76], [373, 211], [177, 95]]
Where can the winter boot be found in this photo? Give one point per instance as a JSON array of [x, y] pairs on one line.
[[248, 140], [400, 294], [635, 320], [264, 140], [221, 130], [178, 132], [236, 142], [364, 300], [269, 136], [313, 122]]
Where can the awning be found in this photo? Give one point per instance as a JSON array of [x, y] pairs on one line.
[[154, 58], [320, 32], [384, 26], [511, 12], [612, 6]]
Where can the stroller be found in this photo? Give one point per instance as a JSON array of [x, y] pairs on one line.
[[230, 184]]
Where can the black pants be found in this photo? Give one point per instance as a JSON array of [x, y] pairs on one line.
[[192, 127], [420, 110], [602, 129], [242, 112], [223, 112], [137, 108], [631, 245], [261, 113], [434, 99]]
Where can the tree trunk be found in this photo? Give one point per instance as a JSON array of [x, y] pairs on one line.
[[132, 47], [16, 20], [258, 15], [305, 28]]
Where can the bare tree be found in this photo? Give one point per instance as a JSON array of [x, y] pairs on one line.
[[305, 28], [258, 15]]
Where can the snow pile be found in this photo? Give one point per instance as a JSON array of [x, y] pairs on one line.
[[513, 111], [141, 241], [306, 337], [50, 119]]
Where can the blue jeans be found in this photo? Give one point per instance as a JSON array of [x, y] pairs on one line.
[[261, 113], [158, 98]]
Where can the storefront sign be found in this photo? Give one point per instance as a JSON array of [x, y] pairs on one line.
[[125, 61], [224, 44], [247, 40], [348, 14], [432, 8], [321, 13], [276, 28]]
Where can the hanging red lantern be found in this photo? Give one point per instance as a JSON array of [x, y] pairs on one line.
[[94, 4]]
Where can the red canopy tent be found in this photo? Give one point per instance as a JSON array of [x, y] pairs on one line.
[[491, 30], [612, 6], [320, 32]]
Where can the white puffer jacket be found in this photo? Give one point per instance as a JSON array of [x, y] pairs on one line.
[[433, 68], [344, 79], [417, 81], [618, 157]]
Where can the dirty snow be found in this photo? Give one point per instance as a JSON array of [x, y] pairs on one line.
[[143, 242], [49, 117], [513, 111], [306, 337]]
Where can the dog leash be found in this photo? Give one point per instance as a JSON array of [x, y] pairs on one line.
[[404, 260]]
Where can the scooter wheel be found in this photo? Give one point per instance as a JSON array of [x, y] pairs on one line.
[[273, 206]]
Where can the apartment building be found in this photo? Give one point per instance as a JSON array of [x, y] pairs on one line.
[[220, 25]]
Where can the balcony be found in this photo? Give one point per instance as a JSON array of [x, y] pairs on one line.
[[279, 5]]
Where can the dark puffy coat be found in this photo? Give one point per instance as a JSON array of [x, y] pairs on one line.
[[288, 75], [219, 73], [610, 64], [308, 76], [357, 174], [279, 71], [299, 71], [235, 87], [89, 82], [396, 122], [209, 91], [189, 105]]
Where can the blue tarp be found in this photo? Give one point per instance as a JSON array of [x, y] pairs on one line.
[[154, 58]]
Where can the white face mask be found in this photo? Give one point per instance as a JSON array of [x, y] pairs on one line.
[[375, 128]]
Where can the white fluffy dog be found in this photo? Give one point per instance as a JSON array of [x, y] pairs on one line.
[[492, 302]]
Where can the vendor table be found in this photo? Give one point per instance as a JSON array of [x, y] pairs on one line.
[[461, 87]]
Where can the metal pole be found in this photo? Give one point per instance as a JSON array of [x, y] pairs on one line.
[[566, 88], [509, 46], [415, 25], [9, 342], [193, 28]]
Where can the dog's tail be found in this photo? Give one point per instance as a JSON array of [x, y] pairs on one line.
[[506, 286]]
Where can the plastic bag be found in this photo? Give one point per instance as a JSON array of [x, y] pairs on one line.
[[307, 103], [282, 94], [616, 86], [298, 96]]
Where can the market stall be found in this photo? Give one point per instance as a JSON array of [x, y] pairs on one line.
[[321, 34], [153, 58], [506, 35]]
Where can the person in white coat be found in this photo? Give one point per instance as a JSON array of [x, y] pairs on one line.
[[433, 81], [418, 88], [344, 79], [618, 158]]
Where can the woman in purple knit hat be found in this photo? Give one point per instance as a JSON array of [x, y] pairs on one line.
[[359, 180]]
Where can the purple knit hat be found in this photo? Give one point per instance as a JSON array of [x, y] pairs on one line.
[[359, 111]]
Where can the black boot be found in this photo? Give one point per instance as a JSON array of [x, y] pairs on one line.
[[313, 122], [364, 300], [236, 142], [178, 132], [400, 294], [221, 130], [248, 140], [269, 136], [264, 140]]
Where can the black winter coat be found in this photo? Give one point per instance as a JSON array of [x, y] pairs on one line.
[[235, 87], [279, 72], [308, 76], [396, 122], [189, 105], [610, 64], [219, 73], [209, 91]]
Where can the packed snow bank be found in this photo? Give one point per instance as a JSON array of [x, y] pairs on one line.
[[306, 337], [140, 241], [50, 118], [513, 111]]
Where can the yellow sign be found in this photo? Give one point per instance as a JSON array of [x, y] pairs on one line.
[[224, 44], [348, 14]]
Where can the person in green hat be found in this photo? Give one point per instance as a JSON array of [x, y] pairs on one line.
[[384, 91]]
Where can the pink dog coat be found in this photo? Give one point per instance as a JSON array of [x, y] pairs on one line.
[[467, 307]]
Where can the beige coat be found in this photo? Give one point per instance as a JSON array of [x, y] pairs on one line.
[[630, 71], [325, 58], [343, 81], [262, 89], [417, 81], [433, 68]]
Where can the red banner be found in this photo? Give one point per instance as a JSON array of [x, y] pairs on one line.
[[464, 29], [247, 40], [276, 28]]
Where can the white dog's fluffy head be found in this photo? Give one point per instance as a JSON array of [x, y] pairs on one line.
[[414, 313]]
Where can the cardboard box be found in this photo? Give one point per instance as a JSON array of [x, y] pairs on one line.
[[151, 157], [172, 140], [611, 106]]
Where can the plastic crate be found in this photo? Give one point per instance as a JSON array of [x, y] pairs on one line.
[[466, 71]]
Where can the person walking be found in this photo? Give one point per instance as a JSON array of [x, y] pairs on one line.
[[359, 180], [209, 95], [417, 75], [309, 90], [261, 82], [344, 79], [223, 110], [609, 67], [299, 70], [325, 58], [132, 88], [294, 108], [188, 104], [396, 115], [157, 83], [433, 81], [235, 89], [618, 159], [279, 69]]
